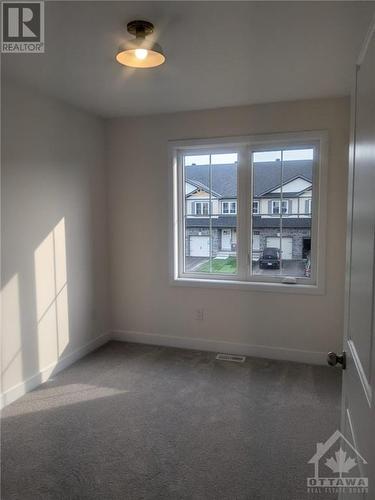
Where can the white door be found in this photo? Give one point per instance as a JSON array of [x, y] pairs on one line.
[[226, 239], [358, 398], [199, 246], [287, 246], [256, 242], [256, 247]]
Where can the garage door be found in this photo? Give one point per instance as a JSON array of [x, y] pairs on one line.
[[287, 246], [199, 246]]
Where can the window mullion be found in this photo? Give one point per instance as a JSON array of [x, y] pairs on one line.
[[181, 213], [243, 210], [281, 211], [210, 212]]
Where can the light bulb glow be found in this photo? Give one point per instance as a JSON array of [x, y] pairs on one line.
[[140, 57], [141, 53]]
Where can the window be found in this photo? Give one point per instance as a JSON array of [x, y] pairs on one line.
[[201, 207], [283, 244], [308, 206], [276, 207], [229, 207], [210, 245]]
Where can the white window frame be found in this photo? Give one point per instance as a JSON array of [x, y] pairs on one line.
[[229, 203], [275, 207], [257, 212], [201, 203], [222, 207], [245, 279], [277, 203], [308, 200]]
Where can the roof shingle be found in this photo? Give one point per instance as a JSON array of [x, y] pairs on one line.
[[267, 176]]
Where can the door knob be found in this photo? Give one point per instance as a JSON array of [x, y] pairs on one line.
[[333, 359]]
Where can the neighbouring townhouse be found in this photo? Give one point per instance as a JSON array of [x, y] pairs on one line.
[[281, 209]]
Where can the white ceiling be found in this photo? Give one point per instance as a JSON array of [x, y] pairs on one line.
[[218, 54]]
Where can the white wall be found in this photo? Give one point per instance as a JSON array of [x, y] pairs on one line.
[[142, 299], [54, 257]]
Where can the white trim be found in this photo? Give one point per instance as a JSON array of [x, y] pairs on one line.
[[360, 463], [360, 372], [43, 375], [229, 282], [366, 42], [259, 351]]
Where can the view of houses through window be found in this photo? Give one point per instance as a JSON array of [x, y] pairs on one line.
[[280, 206], [282, 184], [211, 238]]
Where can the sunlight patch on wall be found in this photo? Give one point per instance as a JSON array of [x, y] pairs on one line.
[[11, 362], [44, 276], [60, 255], [61, 287], [45, 301], [62, 314], [52, 295]]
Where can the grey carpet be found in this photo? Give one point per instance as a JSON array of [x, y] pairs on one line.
[[141, 422]]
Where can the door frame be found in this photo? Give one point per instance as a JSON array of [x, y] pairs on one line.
[[230, 240]]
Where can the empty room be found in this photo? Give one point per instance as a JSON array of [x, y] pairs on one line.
[[187, 250]]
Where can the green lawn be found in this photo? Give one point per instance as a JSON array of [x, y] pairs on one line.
[[228, 266]]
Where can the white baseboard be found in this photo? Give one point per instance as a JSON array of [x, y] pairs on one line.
[[259, 351], [43, 375]]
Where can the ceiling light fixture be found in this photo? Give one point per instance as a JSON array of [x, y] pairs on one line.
[[139, 52]]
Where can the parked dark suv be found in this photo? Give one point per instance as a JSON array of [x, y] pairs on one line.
[[270, 258]]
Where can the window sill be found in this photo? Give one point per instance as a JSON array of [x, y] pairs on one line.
[[299, 289]]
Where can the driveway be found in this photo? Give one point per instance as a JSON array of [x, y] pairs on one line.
[[290, 268], [192, 263]]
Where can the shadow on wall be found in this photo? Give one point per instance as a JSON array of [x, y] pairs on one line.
[[36, 322]]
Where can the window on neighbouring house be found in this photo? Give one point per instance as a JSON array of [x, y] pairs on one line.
[[276, 207], [308, 206], [275, 245], [229, 207], [201, 207]]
